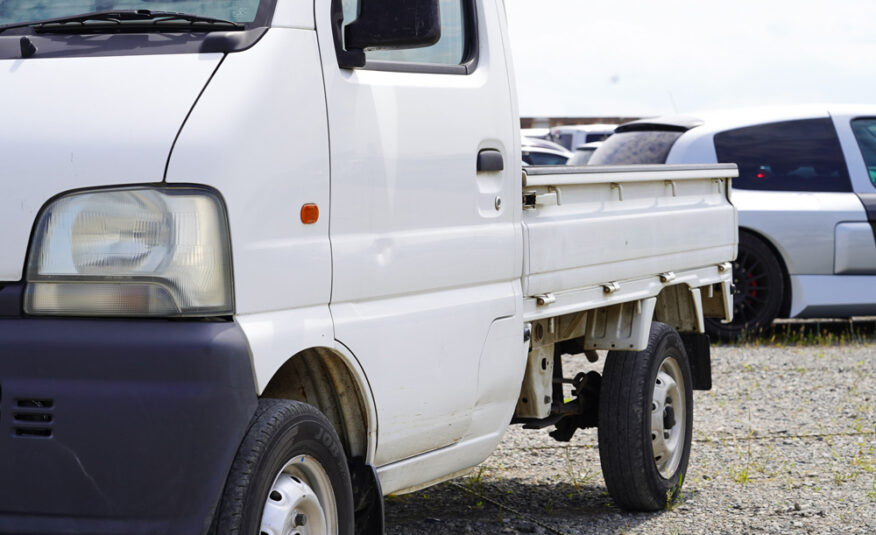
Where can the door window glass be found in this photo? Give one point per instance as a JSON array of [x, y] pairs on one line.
[[449, 50], [865, 133], [803, 155]]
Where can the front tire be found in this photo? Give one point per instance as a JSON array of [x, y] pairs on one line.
[[290, 475], [645, 421]]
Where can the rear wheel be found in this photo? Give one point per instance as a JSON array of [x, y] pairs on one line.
[[759, 288], [290, 476], [645, 421]]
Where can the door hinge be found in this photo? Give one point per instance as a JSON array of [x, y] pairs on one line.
[[545, 299]]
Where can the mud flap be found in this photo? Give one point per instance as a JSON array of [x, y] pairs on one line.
[[367, 498], [699, 355]]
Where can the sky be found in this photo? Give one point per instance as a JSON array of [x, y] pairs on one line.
[[637, 58]]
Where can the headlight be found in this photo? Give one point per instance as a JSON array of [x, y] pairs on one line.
[[136, 251]]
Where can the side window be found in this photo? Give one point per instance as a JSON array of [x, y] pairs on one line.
[[802, 155], [865, 133], [454, 49]]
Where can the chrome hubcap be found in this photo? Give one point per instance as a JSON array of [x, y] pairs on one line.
[[668, 418], [301, 501]]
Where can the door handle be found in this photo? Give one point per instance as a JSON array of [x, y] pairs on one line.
[[490, 160]]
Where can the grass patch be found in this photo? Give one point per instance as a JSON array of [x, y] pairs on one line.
[[812, 333]]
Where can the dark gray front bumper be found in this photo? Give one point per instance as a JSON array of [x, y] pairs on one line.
[[119, 426]]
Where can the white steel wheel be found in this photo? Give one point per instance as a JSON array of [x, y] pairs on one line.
[[668, 418], [645, 421], [301, 501], [290, 476]]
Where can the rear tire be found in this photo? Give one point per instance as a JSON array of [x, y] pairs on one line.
[[645, 422], [290, 473], [759, 288]]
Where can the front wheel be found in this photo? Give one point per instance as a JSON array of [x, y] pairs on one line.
[[645, 421], [290, 476]]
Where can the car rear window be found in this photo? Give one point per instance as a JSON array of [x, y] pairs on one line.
[[865, 133], [802, 155], [638, 147]]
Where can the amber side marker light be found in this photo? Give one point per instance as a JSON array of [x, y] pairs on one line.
[[309, 213]]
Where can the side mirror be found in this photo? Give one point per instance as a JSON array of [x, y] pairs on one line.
[[385, 24]]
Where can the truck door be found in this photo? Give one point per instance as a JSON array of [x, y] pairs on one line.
[[425, 253]]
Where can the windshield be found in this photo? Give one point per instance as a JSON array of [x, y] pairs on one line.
[[19, 11]]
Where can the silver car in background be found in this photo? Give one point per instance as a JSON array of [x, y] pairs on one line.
[[806, 196]]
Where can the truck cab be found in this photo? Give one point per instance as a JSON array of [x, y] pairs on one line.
[[266, 261]]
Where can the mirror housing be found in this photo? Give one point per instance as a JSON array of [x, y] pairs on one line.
[[385, 24]]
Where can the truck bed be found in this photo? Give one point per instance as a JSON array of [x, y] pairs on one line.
[[588, 227]]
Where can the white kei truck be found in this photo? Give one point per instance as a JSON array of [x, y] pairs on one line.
[[264, 262]]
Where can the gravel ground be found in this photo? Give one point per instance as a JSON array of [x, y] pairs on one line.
[[783, 443]]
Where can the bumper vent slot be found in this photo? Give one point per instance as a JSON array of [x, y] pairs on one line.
[[35, 403], [33, 418]]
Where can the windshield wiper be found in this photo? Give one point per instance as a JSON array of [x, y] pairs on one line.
[[130, 20]]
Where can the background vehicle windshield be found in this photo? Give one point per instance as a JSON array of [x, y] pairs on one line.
[[865, 133], [18, 11]]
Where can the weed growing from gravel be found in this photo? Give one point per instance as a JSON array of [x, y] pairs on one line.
[[840, 477], [475, 481], [549, 506], [576, 478], [740, 476], [864, 461], [675, 499]]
